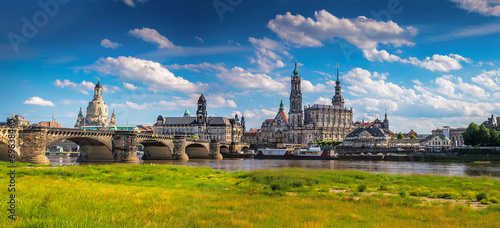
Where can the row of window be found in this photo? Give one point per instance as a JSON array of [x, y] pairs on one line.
[[187, 130], [330, 120]]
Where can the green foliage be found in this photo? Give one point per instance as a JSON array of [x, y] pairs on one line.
[[400, 135], [328, 143], [470, 135], [362, 188], [412, 136], [476, 135], [177, 196], [483, 136], [482, 196], [494, 138]]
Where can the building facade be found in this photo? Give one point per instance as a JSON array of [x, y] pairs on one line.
[[225, 130], [454, 134], [97, 111], [366, 137], [313, 123]]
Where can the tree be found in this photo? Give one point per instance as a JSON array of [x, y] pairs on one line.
[[484, 136], [471, 135], [494, 138], [412, 136], [400, 135]]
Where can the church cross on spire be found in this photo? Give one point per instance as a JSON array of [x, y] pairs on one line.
[[338, 81]]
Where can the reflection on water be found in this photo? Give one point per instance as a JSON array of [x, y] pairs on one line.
[[391, 167]]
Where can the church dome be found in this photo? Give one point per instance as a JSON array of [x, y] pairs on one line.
[[98, 85], [202, 98], [295, 72]]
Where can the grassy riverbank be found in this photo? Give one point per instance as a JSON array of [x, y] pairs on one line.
[[174, 196]]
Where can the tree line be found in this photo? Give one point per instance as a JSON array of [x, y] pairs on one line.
[[476, 135]]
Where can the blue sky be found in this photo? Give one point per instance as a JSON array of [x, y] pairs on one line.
[[428, 63]]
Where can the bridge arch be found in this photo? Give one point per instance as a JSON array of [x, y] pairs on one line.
[[245, 149], [156, 149], [224, 149], [96, 147], [4, 151], [197, 150]]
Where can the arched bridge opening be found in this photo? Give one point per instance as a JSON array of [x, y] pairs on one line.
[[245, 149], [91, 149], [224, 150], [196, 150], [4, 152], [155, 150]]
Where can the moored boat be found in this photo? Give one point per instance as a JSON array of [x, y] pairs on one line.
[[313, 153]]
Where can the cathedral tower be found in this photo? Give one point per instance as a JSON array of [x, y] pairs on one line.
[[296, 114], [338, 99], [201, 113]]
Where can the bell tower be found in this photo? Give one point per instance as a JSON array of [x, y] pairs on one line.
[[296, 115], [338, 99], [201, 113]]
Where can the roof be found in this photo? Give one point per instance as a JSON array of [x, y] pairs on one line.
[[442, 137], [213, 121], [322, 107], [283, 115], [269, 122], [374, 131], [202, 98], [143, 128], [98, 85]]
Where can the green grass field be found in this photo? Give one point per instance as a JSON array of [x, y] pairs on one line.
[[175, 196]]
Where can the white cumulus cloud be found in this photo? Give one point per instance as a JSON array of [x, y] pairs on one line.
[[241, 78], [153, 74], [364, 33], [38, 101], [109, 44], [483, 7], [489, 80], [152, 36], [81, 87], [268, 53], [129, 86], [132, 2]]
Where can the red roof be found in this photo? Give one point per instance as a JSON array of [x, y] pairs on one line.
[[283, 115], [52, 124], [143, 128]]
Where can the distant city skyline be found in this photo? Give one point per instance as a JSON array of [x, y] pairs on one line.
[[428, 63]]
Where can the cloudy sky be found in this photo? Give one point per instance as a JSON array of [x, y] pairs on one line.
[[428, 63]]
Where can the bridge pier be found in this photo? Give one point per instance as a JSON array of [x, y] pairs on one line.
[[179, 151], [34, 145], [215, 150], [125, 146]]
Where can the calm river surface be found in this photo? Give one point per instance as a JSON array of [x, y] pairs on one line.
[[391, 167]]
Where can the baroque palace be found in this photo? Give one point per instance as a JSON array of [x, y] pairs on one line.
[[312, 123], [222, 129]]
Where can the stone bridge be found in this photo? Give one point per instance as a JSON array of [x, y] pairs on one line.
[[29, 144]]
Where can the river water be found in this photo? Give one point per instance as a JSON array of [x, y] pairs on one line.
[[390, 167]]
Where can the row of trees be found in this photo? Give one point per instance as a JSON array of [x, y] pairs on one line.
[[401, 136], [476, 135]]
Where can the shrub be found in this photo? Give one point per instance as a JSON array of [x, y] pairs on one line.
[[404, 194], [482, 196], [362, 188]]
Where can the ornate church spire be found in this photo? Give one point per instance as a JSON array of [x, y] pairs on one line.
[[338, 99]]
